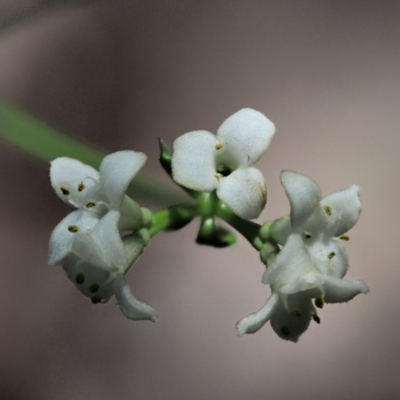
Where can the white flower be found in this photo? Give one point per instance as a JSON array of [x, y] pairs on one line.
[[99, 261], [322, 224], [93, 193], [312, 263], [204, 162], [295, 280]]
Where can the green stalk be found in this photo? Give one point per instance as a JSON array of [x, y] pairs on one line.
[[46, 143], [173, 218], [248, 229]]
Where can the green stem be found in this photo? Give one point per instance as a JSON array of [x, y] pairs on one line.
[[248, 229], [173, 218]]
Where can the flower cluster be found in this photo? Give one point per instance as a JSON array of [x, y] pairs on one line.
[[304, 257], [312, 262], [87, 241]]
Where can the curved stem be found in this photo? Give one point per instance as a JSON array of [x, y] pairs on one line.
[[250, 230]]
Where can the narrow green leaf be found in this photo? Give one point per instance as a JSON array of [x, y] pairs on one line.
[[24, 11], [46, 143], [42, 141]]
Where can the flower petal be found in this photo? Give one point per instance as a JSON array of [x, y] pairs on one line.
[[309, 282], [71, 179], [131, 215], [339, 291], [256, 320], [130, 306], [292, 262], [66, 232], [329, 258], [244, 192], [90, 281], [247, 134], [280, 229], [116, 172], [342, 210], [193, 161], [291, 325], [304, 195], [103, 247]]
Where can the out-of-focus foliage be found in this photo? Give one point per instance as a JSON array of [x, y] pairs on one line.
[[13, 12], [45, 143]]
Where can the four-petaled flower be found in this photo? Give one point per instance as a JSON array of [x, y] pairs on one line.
[[99, 260], [312, 262], [94, 194], [204, 162], [322, 224]]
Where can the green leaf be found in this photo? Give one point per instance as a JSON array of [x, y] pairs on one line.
[[46, 143], [24, 12], [42, 141]]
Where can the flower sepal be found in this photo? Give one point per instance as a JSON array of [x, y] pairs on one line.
[[133, 217], [215, 236], [277, 231]]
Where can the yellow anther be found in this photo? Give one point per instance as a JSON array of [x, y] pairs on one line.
[[219, 145], [285, 330], [319, 302], [64, 191], [218, 175], [81, 186], [331, 255], [328, 210], [94, 287], [91, 204], [73, 228], [96, 299], [344, 237], [80, 278]]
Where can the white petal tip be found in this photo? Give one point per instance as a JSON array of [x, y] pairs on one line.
[[364, 288], [248, 325], [241, 328], [140, 312]]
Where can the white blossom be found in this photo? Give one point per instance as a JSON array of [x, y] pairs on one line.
[[94, 193], [321, 223], [312, 262], [98, 262], [204, 162], [295, 281]]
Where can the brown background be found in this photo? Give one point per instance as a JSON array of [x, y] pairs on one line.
[[123, 73]]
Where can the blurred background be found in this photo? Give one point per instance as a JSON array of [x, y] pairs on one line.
[[123, 73]]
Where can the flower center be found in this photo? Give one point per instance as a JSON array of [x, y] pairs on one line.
[[224, 170]]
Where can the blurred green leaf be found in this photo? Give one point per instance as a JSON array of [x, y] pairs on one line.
[[24, 11], [40, 140], [45, 143]]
